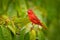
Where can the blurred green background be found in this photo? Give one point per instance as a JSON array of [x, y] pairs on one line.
[[15, 24]]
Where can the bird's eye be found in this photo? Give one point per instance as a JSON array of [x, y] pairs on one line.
[[29, 11]]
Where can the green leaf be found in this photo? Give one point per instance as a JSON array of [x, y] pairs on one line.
[[27, 36], [6, 33], [23, 9], [11, 11], [1, 8], [32, 34], [22, 32], [40, 35], [5, 4], [1, 36], [16, 37], [12, 29]]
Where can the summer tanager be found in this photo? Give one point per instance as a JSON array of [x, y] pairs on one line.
[[33, 18]]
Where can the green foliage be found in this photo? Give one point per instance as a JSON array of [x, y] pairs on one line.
[[40, 35], [6, 34], [32, 34], [27, 36], [15, 24]]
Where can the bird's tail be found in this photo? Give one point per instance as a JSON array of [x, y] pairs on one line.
[[43, 26]]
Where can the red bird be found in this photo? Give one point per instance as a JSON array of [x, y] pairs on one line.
[[33, 18]]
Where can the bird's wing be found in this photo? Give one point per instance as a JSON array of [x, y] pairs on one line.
[[35, 19]]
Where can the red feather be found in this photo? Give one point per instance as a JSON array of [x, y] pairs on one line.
[[33, 18]]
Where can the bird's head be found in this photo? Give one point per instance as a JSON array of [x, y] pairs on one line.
[[30, 11]]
